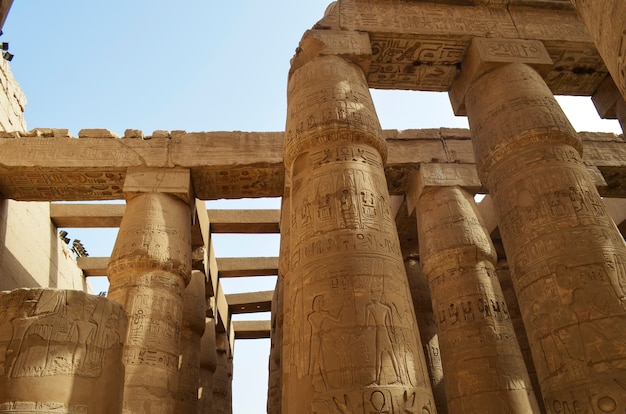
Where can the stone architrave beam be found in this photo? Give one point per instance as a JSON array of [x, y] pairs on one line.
[[252, 329], [70, 169], [247, 266], [250, 302]]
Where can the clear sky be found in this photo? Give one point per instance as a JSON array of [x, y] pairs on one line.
[[194, 65]]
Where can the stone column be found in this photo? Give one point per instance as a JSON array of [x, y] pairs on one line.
[[194, 311], [223, 376], [504, 277], [274, 380], [605, 22], [148, 271], [60, 351], [479, 349], [420, 293], [208, 364], [352, 311], [567, 259]]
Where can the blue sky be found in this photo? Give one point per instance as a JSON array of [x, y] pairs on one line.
[[195, 65]]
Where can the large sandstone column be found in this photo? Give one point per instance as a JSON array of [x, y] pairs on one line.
[[566, 255], [194, 311], [148, 271], [479, 350], [504, 277], [60, 352], [422, 303], [606, 22], [208, 364], [223, 377], [359, 348]]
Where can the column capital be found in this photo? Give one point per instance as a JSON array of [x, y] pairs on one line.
[[442, 175], [351, 45], [484, 54], [173, 181]]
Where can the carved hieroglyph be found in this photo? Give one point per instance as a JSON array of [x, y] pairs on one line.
[[61, 352], [479, 350], [568, 260], [355, 342], [208, 363], [504, 276], [194, 311], [420, 293], [148, 271]]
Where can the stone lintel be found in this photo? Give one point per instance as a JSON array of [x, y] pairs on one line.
[[351, 45], [606, 97], [442, 175], [244, 221], [252, 329], [485, 54], [250, 302], [247, 266], [172, 181], [86, 215], [93, 266]]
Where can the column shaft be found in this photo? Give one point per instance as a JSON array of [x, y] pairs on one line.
[[422, 303], [194, 311], [223, 377], [479, 350], [359, 348], [208, 365], [149, 268], [568, 260]]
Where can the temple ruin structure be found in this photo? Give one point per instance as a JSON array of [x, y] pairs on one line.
[[397, 292]]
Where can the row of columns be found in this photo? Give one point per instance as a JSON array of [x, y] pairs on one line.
[[346, 347]]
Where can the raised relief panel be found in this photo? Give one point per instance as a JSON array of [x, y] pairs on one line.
[[60, 349]]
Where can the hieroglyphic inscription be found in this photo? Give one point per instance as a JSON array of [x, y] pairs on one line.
[[475, 332], [73, 185], [566, 255], [237, 182], [353, 344], [55, 336], [426, 18], [408, 63], [578, 68]]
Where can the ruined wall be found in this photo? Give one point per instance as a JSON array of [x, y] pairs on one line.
[[31, 253]]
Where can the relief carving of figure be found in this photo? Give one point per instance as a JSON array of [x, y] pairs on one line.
[[381, 316], [321, 321]]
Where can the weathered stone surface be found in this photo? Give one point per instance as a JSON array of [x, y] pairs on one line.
[[420, 293], [566, 255], [208, 364], [480, 354], [149, 268], [608, 31], [223, 377], [61, 352], [358, 346], [192, 329]]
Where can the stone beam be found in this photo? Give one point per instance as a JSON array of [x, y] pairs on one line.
[[58, 168], [221, 221], [250, 302], [86, 215], [244, 221], [420, 45], [247, 266], [252, 329], [93, 266]]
